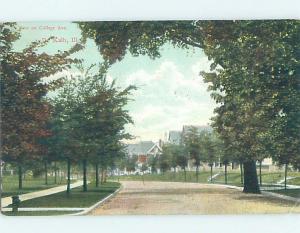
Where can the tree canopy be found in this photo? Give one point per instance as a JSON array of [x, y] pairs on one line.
[[253, 78]]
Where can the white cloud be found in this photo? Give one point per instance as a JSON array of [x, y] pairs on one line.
[[202, 65], [169, 98]]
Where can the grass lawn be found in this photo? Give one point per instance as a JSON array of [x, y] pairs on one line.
[[295, 181], [233, 177], [274, 177], [167, 176], [204, 176], [38, 213], [30, 184], [289, 192], [77, 198]]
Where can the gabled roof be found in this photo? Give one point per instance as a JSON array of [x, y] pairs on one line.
[[174, 136], [155, 145], [140, 148]]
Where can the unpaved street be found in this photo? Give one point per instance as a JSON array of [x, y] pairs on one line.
[[189, 198]]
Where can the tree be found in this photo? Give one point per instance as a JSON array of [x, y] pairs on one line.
[[182, 161], [226, 157], [296, 163], [95, 116], [256, 69], [24, 110], [175, 155], [130, 163], [164, 160], [255, 66], [115, 38], [193, 143], [210, 148], [61, 143], [153, 163]]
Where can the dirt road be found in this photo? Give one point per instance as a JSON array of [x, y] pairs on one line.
[[170, 198]]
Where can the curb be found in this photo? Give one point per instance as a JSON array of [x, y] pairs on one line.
[[89, 209]]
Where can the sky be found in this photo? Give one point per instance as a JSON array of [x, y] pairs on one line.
[[170, 93]]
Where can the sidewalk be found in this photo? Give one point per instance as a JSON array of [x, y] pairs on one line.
[[271, 187], [7, 200]]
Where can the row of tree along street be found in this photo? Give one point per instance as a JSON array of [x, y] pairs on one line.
[[83, 122], [254, 79]]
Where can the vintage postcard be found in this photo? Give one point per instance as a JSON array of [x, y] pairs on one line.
[[188, 117]]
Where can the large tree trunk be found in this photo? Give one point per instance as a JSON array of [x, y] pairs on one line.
[[260, 175], [84, 162], [250, 177], [242, 173], [184, 174], [226, 180], [97, 174], [69, 176], [285, 175], [20, 176], [46, 172]]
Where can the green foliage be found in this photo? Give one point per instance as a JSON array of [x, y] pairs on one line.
[[194, 147], [172, 156], [138, 37], [153, 163], [90, 118], [255, 80], [164, 160], [211, 148], [24, 111], [130, 163]]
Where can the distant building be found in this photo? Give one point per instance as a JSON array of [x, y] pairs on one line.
[[199, 128], [143, 150], [174, 137]]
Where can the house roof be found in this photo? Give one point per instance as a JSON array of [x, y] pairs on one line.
[[199, 128], [141, 148], [174, 137]]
